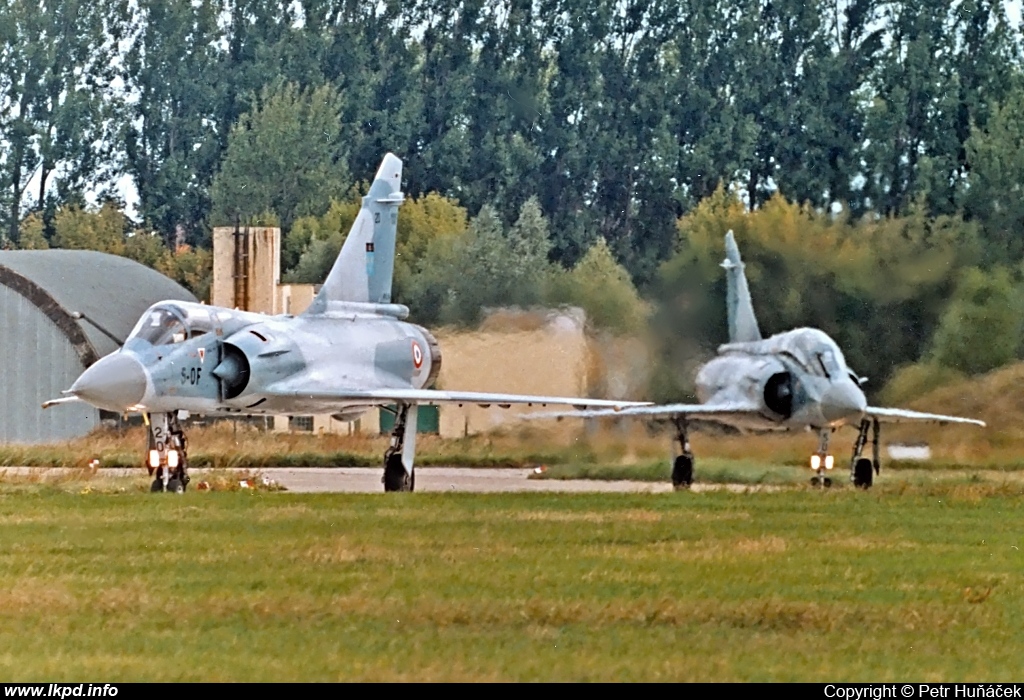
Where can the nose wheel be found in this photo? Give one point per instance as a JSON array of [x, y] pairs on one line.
[[822, 462], [167, 453]]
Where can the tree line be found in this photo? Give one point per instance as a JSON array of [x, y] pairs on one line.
[[585, 135]]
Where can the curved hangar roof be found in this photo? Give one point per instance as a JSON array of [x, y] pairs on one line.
[[60, 311]]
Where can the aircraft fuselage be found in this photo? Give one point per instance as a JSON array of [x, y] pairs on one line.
[[213, 360], [798, 378]]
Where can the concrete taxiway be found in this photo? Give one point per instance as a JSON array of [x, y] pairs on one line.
[[434, 479], [428, 479]]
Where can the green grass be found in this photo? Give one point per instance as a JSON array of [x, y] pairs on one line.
[[906, 581]]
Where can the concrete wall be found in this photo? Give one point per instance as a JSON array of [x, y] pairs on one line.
[[295, 298], [553, 359], [368, 423], [246, 268]]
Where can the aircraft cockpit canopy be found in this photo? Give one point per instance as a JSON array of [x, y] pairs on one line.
[[166, 324], [817, 352]]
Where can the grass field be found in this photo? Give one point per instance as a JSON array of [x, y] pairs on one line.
[[906, 582]]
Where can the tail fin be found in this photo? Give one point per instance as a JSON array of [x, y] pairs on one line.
[[742, 322], [364, 268]]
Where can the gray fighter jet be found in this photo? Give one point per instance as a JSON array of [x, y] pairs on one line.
[[348, 352], [796, 379]]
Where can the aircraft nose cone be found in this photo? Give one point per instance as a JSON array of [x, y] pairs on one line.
[[114, 382], [842, 401]]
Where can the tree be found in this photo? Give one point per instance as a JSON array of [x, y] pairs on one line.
[[982, 327], [601, 287], [367, 52], [81, 229], [773, 42], [56, 71], [819, 152], [31, 233], [146, 248], [987, 45], [423, 222], [442, 145], [911, 126], [170, 127], [260, 42], [610, 146], [529, 245], [313, 243], [190, 267], [994, 196], [488, 266], [477, 277], [286, 156]]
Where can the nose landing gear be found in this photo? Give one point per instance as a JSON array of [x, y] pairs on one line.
[[822, 462], [167, 456]]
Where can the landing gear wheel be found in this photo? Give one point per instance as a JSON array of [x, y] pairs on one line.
[[826, 482], [682, 472], [682, 466], [815, 480], [166, 453], [395, 476], [862, 469], [863, 473]]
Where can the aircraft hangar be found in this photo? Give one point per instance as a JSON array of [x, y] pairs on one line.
[[61, 310]]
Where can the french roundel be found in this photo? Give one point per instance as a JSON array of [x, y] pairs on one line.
[[417, 355]]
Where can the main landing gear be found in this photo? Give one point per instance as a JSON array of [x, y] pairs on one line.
[[862, 469], [167, 456], [821, 461], [682, 467], [400, 452]]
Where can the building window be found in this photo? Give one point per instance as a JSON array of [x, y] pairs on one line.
[[300, 423]]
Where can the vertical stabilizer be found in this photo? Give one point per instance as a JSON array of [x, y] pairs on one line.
[[742, 322], [364, 268]]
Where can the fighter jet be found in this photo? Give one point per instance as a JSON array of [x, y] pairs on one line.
[[797, 379], [350, 351]]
